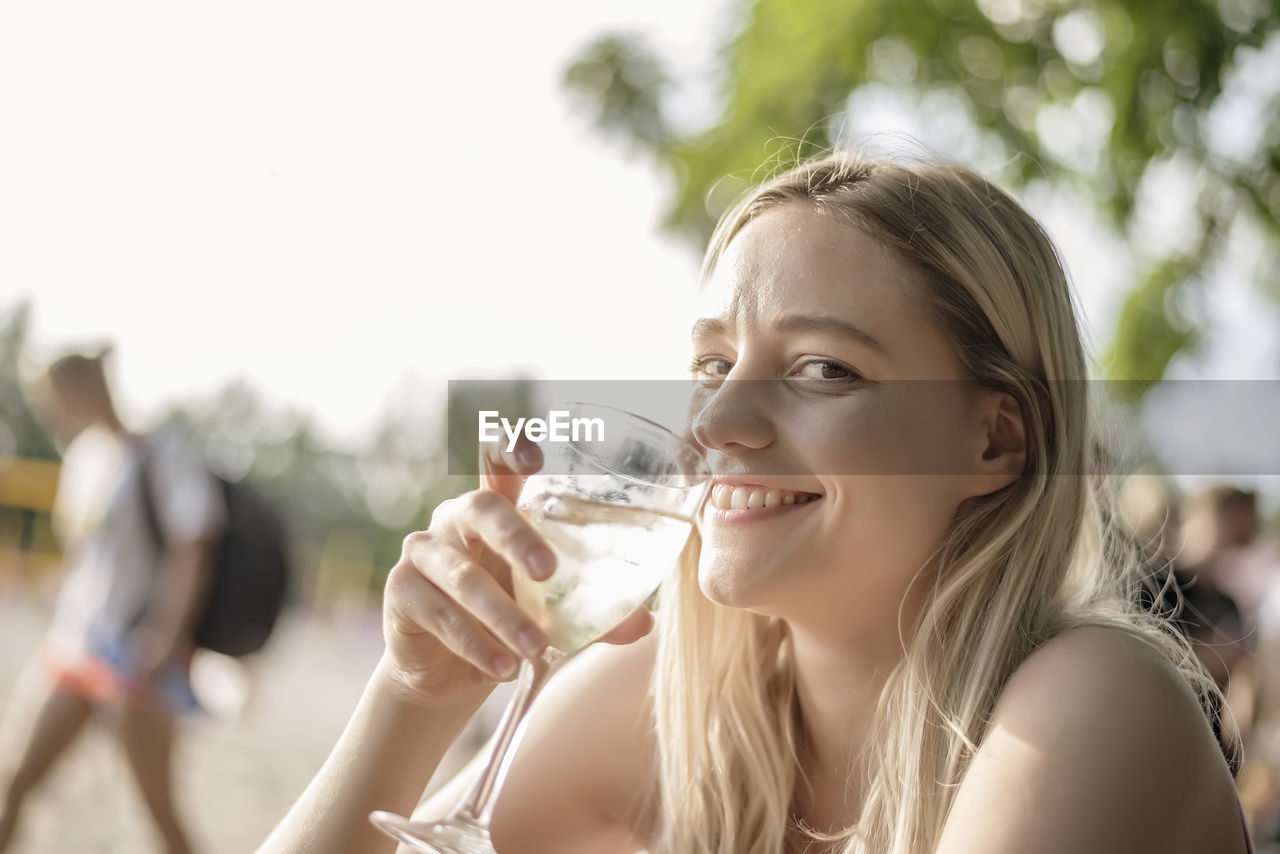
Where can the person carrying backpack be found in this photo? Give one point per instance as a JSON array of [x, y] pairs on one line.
[[139, 572]]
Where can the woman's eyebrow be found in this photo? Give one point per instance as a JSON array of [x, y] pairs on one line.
[[706, 327], [816, 323]]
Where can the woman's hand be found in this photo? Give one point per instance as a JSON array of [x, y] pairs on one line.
[[451, 624]]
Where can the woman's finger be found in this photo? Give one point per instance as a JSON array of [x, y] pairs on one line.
[[475, 589], [413, 606], [487, 517], [636, 625], [504, 471], [469, 585]]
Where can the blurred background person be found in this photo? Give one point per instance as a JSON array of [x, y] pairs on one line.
[[1216, 575], [1180, 581], [119, 639], [1221, 549], [1248, 560], [1150, 506], [1222, 543]]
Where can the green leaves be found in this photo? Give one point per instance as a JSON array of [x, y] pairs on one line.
[[621, 83], [1091, 94], [20, 435], [1151, 331]]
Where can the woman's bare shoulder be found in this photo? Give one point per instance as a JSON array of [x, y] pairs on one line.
[[1099, 744], [582, 779]]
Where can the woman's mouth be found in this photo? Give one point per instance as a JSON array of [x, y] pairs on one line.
[[726, 496]]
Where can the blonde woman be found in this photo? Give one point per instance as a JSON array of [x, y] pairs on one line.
[[903, 627]]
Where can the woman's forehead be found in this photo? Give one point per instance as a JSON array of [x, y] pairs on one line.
[[794, 260]]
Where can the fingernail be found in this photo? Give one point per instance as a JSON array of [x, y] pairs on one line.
[[504, 666], [540, 562], [531, 642], [527, 456]]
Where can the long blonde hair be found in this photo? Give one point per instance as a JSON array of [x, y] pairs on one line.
[[1018, 567]]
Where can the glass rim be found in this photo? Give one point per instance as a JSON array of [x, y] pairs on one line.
[[703, 473]]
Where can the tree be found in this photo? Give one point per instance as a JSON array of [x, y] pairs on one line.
[[1101, 95], [370, 496], [20, 435]]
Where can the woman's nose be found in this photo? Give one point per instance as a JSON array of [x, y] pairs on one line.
[[735, 416]]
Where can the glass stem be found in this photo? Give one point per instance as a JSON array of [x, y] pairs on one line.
[[477, 804]]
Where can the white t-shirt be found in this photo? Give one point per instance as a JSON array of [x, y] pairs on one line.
[[111, 555]]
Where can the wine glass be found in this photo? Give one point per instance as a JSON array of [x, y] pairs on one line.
[[617, 507]]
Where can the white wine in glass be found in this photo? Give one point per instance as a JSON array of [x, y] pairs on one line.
[[617, 512], [609, 558]]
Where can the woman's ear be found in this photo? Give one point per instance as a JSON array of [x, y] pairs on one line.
[[1001, 443]]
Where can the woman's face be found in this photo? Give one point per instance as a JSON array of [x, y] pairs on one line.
[[829, 393]]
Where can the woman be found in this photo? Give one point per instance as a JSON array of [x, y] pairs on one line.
[[120, 633], [925, 650]]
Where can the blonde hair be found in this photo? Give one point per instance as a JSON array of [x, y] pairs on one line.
[[1150, 507], [1018, 567]]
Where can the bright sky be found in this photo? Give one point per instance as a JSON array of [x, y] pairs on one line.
[[348, 202], [329, 198]]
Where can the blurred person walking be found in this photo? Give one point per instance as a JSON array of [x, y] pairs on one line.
[[119, 643]]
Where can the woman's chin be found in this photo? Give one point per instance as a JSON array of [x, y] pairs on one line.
[[733, 586]]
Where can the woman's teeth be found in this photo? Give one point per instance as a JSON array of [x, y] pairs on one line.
[[726, 497]]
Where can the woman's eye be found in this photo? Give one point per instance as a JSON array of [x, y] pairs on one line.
[[825, 369], [710, 368]]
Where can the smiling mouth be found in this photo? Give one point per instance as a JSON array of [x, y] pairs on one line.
[[728, 497]]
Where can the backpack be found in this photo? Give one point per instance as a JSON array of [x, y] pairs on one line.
[[249, 576]]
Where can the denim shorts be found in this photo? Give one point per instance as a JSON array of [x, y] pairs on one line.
[[108, 672]]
